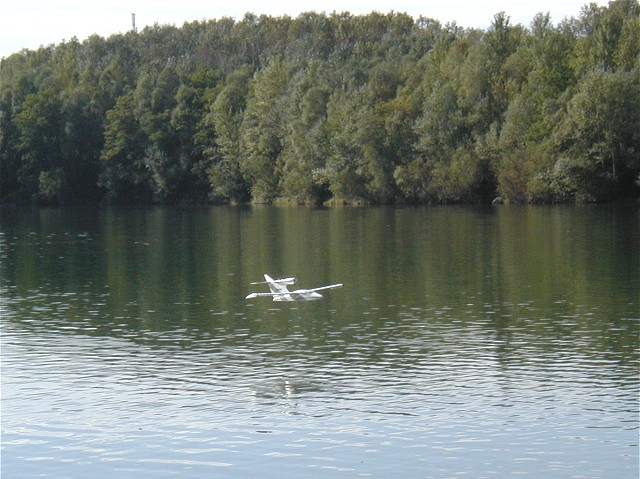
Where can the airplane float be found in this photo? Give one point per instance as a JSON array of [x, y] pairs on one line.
[[280, 292]]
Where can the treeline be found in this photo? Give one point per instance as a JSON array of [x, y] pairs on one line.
[[379, 108]]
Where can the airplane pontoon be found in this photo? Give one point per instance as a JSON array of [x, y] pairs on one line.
[[280, 292]]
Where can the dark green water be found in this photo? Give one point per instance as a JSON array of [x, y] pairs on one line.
[[466, 342]]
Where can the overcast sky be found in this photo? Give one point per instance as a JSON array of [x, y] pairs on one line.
[[32, 23]]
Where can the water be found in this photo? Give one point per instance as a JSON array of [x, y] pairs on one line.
[[465, 343]]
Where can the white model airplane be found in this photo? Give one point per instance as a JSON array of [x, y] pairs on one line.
[[280, 292]]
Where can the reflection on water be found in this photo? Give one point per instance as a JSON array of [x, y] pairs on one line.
[[467, 343]]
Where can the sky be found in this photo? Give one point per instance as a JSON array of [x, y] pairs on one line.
[[33, 23]]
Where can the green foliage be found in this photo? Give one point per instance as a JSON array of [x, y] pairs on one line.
[[342, 171], [376, 108], [123, 174], [600, 133], [222, 124], [262, 131], [306, 142], [40, 127], [50, 186]]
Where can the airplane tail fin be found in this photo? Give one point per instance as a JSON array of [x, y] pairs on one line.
[[279, 285], [274, 286]]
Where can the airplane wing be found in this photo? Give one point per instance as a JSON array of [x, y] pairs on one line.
[[331, 286], [279, 281]]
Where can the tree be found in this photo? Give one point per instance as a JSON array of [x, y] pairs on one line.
[[600, 134], [193, 97], [365, 108], [124, 175], [40, 128], [222, 124], [262, 131], [306, 144], [342, 171], [602, 32]]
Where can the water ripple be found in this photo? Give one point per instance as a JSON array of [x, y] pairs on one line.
[[151, 368]]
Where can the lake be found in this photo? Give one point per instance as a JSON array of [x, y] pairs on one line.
[[473, 342]]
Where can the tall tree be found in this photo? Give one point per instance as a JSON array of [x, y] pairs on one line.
[[124, 175], [223, 123], [40, 126], [368, 108], [306, 145], [600, 133], [262, 131]]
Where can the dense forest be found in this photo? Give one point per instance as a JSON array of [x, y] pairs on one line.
[[378, 108]]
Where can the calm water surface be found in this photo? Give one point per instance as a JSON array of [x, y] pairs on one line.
[[465, 343]]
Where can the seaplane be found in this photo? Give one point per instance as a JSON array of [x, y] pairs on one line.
[[280, 292]]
